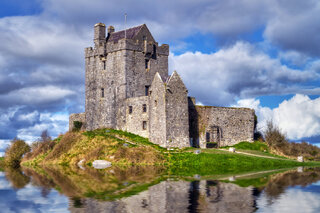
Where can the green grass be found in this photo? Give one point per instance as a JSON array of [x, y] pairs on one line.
[[255, 152], [188, 164], [102, 143], [257, 148], [256, 145]]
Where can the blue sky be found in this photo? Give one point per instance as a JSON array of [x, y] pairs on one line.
[[247, 53]]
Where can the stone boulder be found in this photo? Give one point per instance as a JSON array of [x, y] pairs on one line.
[[101, 164]]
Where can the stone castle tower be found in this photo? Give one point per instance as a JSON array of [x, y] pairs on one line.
[[128, 88]]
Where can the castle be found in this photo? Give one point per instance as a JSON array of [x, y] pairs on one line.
[[128, 88]]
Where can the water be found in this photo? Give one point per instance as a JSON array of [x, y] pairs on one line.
[[151, 189]]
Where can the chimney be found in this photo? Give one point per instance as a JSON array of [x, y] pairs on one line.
[[110, 29], [99, 34]]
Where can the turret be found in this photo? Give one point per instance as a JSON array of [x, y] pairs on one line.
[[99, 34]]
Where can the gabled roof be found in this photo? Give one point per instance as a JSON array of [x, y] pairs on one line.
[[130, 34]]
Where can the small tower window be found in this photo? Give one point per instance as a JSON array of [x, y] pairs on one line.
[[146, 92], [207, 137], [155, 102], [144, 108], [144, 125], [144, 38], [102, 92], [130, 109], [147, 64], [104, 65]]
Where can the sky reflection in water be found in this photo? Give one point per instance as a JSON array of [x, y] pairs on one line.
[[64, 191]]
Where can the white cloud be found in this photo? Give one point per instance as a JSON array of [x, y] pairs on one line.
[[239, 71], [294, 26], [56, 124], [294, 200], [298, 117]]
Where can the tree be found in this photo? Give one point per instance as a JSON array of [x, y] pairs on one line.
[[45, 137], [15, 151], [273, 136]]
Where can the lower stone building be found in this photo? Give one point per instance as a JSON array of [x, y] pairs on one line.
[[128, 88]]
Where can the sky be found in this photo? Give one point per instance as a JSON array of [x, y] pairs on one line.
[[261, 54]]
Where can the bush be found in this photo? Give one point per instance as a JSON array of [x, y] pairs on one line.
[[77, 126], [273, 136], [42, 146], [15, 151], [278, 142]]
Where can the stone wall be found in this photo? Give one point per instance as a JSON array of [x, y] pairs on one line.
[[157, 103], [77, 117], [177, 122], [117, 70], [135, 119], [224, 125]]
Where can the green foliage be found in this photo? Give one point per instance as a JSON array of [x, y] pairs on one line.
[[15, 151], [77, 125], [257, 145]]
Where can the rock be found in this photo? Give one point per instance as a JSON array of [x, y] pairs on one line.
[[198, 151], [125, 144], [80, 164], [232, 149], [300, 169], [232, 178], [107, 131], [101, 164], [300, 159], [196, 176]]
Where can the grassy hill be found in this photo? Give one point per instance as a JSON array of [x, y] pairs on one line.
[[125, 149]]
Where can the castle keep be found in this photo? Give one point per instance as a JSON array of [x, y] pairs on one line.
[[128, 88]]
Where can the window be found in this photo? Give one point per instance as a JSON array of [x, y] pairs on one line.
[[102, 92], [130, 109], [155, 102], [154, 54], [104, 65], [144, 125], [147, 64], [144, 108], [146, 92], [144, 38], [207, 137]]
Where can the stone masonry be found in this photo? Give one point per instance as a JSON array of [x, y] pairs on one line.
[[128, 88]]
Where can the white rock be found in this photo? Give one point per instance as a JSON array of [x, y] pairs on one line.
[[198, 151], [80, 164], [232, 149], [232, 178], [300, 159], [300, 169], [101, 164]]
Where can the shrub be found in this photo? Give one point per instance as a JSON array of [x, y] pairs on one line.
[[273, 136], [42, 146], [277, 141], [15, 151], [77, 126]]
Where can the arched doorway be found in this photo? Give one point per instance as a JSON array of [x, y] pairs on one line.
[[213, 137]]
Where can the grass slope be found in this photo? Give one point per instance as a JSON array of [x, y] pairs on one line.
[[123, 148]]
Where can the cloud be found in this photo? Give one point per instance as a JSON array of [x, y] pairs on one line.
[[239, 71], [294, 26], [294, 200], [42, 62], [298, 117]]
